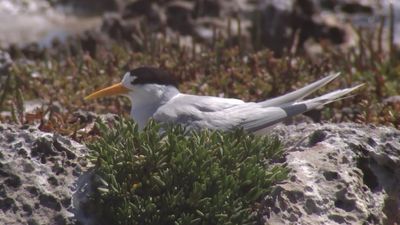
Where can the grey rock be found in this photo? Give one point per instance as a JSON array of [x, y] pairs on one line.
[[38, 175], [179, 16], [267, 23], [92, 6], [392, 100], [348, 6], [290, 24], [340, 174], [5, 62]]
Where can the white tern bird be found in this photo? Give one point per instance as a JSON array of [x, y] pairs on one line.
[[153, 94]]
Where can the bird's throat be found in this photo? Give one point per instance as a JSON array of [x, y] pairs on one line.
[[147, 101]]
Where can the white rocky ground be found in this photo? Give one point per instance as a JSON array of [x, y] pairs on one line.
[[341, 174], [38, 175]]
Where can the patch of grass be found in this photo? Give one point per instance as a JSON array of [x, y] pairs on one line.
[[176, 176]]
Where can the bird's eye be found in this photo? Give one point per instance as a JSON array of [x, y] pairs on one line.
[[133, 78]]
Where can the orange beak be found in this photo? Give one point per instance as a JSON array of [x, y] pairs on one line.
[[116, 89]]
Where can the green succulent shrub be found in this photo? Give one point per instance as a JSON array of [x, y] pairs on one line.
[[171, 175]]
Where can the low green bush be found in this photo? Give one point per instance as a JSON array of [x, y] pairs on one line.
[[171, 175]]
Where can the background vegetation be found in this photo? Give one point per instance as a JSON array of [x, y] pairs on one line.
[[61, 80]]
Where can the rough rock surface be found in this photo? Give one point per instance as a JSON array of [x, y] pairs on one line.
[[38, 174], [266, 23], [5, 62], [294, 25], [341, 174], [41, 21]]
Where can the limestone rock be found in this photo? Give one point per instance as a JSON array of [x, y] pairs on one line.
[[38, 174], [340, 174]]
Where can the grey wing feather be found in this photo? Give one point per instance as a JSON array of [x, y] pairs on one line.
[[300, 93], [200, 111], [297, 108]]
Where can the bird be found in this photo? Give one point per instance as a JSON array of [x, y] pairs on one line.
[[153, 94]]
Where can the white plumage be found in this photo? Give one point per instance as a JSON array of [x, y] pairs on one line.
[[154, 97]]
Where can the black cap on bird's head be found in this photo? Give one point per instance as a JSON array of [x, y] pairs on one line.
[[150, 75], [139, 76]]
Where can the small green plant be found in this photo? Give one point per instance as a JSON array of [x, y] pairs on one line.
[[172, 175]]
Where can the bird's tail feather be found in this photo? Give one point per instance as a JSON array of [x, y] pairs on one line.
[[297, 108], [300, 93], [318, 102]]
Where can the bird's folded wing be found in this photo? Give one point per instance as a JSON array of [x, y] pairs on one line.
[[248, 116], [196, 111]]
